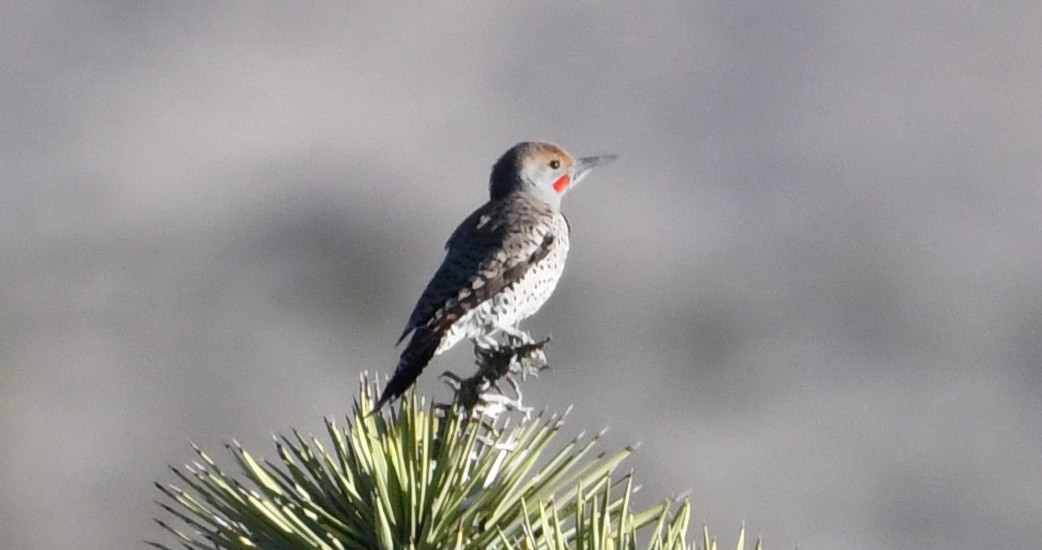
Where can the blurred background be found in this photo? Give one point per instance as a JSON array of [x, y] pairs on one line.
[[811, 286]]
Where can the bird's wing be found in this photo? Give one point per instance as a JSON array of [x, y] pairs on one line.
[[493, 248]]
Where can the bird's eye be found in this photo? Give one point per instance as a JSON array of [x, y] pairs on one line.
[[555, 164]]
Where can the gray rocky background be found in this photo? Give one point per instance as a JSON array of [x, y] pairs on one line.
[[811, 286]]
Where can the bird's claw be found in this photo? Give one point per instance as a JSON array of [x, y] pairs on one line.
[[481, 394]]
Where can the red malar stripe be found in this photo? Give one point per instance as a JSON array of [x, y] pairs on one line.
[[560, 184]]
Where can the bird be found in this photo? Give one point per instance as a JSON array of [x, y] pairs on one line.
[[501, 263]]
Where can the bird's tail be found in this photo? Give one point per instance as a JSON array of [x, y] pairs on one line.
[[414, 358]]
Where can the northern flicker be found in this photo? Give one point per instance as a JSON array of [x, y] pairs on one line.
[[502, 263]]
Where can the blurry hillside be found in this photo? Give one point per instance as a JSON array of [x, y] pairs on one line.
[[819, 249]]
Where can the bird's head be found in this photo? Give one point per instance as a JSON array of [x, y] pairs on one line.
[[540, 169]]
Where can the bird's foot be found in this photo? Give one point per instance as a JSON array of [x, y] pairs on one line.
[[529, 358], [481, 394]]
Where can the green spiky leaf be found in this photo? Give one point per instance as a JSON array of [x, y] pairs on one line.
[[419, 477]]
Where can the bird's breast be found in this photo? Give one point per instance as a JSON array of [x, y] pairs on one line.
[[519, 300]]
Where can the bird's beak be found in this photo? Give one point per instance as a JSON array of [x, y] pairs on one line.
[[585, 164]]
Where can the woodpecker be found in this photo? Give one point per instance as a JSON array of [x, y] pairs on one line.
[[501, 263]]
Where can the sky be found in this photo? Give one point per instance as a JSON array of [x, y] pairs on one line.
[[810, 287]]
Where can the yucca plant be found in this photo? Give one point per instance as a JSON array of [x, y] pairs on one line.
[[420, 477]]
